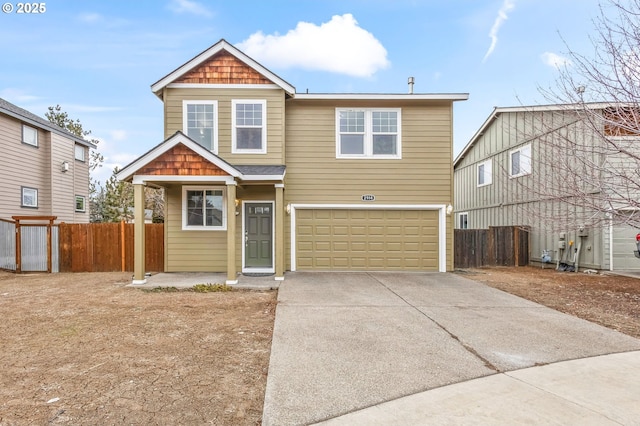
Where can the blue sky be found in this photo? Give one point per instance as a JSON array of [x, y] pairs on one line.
[[97, 59]]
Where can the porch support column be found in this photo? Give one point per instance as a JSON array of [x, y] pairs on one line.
[[279, 231], [138, 234], [232, 270]]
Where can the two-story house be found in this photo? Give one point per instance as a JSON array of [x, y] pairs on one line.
[[261, 179], [544, 167], [45, 169]]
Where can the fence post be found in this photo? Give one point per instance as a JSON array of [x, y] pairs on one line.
[[123, 250], [18, 248]]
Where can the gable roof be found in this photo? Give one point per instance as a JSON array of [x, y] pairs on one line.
[[208, 54], [532, 108], [241, 172], [25, 116]]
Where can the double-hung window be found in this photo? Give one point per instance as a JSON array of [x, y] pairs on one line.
[[203, 208], [520, 161], [484, 173], [29, 197], [368, 133], [249, 124], [29, 135], [200, 123]]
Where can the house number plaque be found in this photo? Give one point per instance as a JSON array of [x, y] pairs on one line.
[[368, 197]]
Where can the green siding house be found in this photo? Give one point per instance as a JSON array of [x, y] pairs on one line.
[[261, 179]]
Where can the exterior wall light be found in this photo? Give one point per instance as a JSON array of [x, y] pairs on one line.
[[65, 166]]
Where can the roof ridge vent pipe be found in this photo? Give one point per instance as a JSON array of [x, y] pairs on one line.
[[411, 82]]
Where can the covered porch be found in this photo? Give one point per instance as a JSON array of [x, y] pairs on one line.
[[220, 218]]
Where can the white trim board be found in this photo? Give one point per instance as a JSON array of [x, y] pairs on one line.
[[442, 223]]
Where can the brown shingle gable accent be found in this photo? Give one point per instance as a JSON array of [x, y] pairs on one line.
[[181, 161], [223, 68]]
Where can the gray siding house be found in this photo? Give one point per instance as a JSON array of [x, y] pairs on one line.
[[519, 169], [44, 169]]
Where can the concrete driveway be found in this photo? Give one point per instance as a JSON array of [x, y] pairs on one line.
[[345, 343]]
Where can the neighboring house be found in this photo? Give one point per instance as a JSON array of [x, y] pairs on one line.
[[44, 169], [514, 170], [261, 179]]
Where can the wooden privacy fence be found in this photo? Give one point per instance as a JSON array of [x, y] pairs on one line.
[[496, 246], [108, 247]]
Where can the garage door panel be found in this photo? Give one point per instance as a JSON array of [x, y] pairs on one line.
[[367, 239]]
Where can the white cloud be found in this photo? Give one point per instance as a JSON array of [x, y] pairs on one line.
[[507, 6], [188, 6], [554, 60], [90, 18], [17, 96], [339, 46], [118, 135], [90, 108]]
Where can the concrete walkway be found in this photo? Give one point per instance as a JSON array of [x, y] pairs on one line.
[[389, 348]]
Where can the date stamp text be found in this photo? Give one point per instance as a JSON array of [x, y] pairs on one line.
[[24, 8]]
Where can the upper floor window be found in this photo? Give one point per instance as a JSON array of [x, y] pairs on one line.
[[368, 133], [249, 126], [203, 208], [29, 135], [80, 152], [200, 123], [29, 197], [520, 161], [484, 173]]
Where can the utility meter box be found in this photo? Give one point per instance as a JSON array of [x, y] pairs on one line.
[[562, 244], [563, 236]]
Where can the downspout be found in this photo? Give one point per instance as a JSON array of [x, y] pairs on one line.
[[611, 243]]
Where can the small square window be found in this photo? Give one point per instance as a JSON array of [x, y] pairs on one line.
[[80, 152], [80, 203], [29, 135], [29, 197]]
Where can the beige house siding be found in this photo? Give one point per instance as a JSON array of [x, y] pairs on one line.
[[173, 109], [422, 176], [315, 175], [23, 165], [191, 251], [66, 185]]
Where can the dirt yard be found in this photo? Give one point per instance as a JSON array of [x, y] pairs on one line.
[[85, 349], [609, 300]]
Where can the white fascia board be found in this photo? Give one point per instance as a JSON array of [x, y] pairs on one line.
[[383, 96], [222, 86], [143, 179], [176, 139], [207, 54], [262, 177], [371, 206], [442, 224]]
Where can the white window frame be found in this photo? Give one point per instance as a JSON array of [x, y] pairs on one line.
[[23, 191], [29, 130], [84, 203], [186, 227], [185, 119], [486, 174], [368, 134], [80, 152], [460, 216], [234, 139], [525, 166]]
